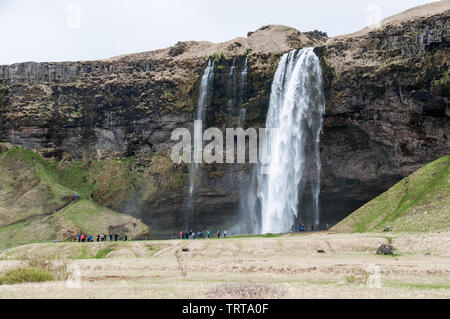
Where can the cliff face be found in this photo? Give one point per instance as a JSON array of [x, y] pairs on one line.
[[387, 95], [387, 114]]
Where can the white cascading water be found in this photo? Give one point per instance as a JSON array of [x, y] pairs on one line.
[[232, 87], [204, 92], [296, 110], [242, 88]]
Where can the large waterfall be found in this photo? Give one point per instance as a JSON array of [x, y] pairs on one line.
[[289, 182]]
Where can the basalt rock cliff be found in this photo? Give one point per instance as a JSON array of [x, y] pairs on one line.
[[387, 114]]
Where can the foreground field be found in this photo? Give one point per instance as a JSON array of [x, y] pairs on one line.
[[288, 266]]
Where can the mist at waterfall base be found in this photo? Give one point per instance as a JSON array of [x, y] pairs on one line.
[[284, 191]]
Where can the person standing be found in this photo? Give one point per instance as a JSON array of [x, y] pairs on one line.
[[208, 233], [225, 233], [218, 234]]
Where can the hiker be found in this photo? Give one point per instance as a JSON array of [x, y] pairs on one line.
[[224, 233], [199, 234], [91, 239], [292, 229], [181, 235], [79, 237], [116, 237], [110, 237], [218, 234], [208, 233], [303, 228]]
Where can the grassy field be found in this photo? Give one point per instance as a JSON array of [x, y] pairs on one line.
[[418, 203], [320, 265], [36, 207]]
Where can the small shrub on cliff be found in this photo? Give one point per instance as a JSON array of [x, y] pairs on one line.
[[114, 182]]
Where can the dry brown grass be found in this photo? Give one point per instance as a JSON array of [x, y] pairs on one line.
[[282, 267], [180, 264], [246, 290]]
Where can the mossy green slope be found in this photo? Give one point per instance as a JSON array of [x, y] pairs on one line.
[[36, 203], [418, 203]]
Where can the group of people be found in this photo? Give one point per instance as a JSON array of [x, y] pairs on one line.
[[301, 228], [200, 234], [81, 237]]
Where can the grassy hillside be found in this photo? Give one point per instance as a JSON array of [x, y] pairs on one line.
[[420, 202], [36, 203]]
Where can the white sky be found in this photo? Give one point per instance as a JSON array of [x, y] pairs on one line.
[[49, 30]]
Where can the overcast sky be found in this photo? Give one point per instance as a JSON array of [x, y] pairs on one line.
[[64, 30]]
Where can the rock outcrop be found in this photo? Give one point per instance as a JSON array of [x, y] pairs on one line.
[[387, 97], [387, 114]]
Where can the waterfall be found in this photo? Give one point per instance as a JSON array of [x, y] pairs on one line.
[[242, 88], [231, 90], [242, 116], [204, 92], [244, 71], [290, 181]]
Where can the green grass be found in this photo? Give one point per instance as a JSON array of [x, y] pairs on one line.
[[417, 285], [35, 198], [87, 253], [268, 235], [25, 275], [418, 203], [103, 252]]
